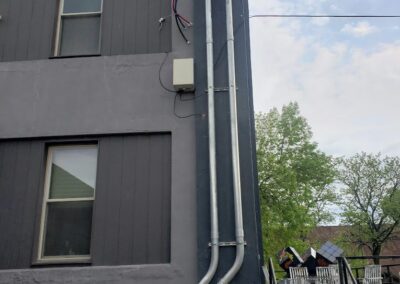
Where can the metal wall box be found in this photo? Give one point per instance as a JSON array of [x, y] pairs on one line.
[[183, 74]]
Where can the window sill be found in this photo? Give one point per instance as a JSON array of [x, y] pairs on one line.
[[74, 56], [61, 261]]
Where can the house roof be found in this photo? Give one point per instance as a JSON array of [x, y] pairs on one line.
[[323, 234]]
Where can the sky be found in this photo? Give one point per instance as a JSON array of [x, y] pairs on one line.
[[344, 73]]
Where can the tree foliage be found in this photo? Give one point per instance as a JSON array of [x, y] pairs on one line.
[[370, 198], [294, 178]]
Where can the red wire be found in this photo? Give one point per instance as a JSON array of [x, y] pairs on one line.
[[184, 19], [173, 7]]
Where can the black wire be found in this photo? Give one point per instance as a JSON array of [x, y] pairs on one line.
[[191, 99], [179, 21], [180, 30], [321, 16], [183, 116], [159, 74]]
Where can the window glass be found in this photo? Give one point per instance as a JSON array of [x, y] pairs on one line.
[[68, 202], [68, 228], [80, 6], [73, 172], [80, 35]]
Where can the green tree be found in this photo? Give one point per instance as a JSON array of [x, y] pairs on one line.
[[294, 179], [370, 198]]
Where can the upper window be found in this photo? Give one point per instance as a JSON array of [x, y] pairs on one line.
[[65, 229], [79, 27]]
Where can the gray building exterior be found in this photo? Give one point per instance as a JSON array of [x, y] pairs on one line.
[[150, 221]]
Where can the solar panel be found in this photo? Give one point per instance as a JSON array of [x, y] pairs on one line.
[[330, 251]]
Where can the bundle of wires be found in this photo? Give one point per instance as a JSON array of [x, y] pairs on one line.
[[182, 22]]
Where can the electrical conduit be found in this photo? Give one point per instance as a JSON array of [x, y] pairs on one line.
[[237, 190], [212, 149]]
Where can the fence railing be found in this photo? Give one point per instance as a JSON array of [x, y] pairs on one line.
[[346, 275]]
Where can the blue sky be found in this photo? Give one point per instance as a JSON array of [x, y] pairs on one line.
[[344, 73]]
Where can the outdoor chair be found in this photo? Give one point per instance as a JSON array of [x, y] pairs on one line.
[[298, 275], [372, 274], [327, 275]]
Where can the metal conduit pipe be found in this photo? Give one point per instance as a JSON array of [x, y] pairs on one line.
[[212, 149], [237, 190]]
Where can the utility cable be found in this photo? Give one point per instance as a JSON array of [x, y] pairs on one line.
[[183, 116], [159, 74], [182, 22], [320, 16]]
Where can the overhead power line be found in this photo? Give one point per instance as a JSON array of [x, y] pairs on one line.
[[320, 16]]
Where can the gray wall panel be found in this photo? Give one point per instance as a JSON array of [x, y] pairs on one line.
[[33, 198], [7, 211], [132, 201], [35, 30], [109, 95], [137, 172], [20, 164], [106, 27], [49, 20], [22, 35], [4, 8], [27, 30]]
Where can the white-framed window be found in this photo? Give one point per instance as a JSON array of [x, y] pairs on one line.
[[69, 192], [78, 27]]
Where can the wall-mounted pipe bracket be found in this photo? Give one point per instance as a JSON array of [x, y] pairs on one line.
[[220, 89], [228, 244]]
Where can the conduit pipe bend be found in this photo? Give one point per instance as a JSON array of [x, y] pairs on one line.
[[212, 149], [237, 190]]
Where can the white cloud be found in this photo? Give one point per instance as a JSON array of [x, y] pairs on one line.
[[349, 96], [360, 29]]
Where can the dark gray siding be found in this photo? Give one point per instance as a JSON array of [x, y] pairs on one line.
[[133, 200], [250, 272], [27, 28], [131, 218], [21, 167]]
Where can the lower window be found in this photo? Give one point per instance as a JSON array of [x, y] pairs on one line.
[[66, 222]]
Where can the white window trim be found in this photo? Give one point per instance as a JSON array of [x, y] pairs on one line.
[[43, 219], [62, 15]]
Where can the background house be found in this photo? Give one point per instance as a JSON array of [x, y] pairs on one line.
[[335, 234]]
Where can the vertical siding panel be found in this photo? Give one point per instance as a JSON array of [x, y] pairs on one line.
[[129, 26], [99, 226], [12, 32], [113, 199], [4, 8], [2, 194], [117, 27], [126, 231], [106, 28], [7, 204], [20, 190], [141, 27], [24, 29], [165, 33], [153, 26], [141, 201], [36, 28], [155, 210], [32, 195], [165, 235], [48, 28]]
